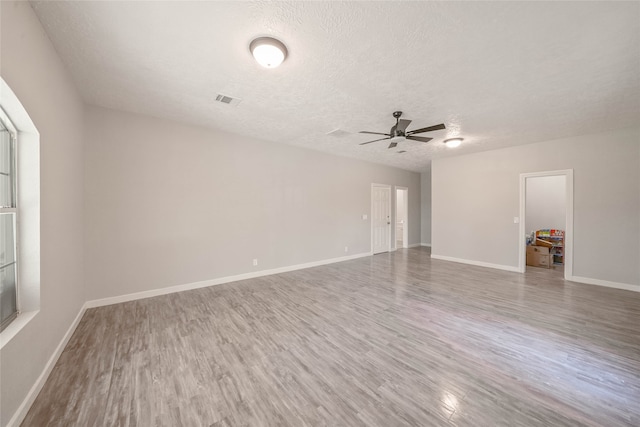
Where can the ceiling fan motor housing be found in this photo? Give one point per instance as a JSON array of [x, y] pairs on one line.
[[395, 132]]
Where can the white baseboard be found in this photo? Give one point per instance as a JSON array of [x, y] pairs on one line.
[[477, 263], [206, 283], [425, 244], [415, 245], [578, 279], [608, 284], [24, 407]]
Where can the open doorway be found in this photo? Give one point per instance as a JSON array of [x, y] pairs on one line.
[[546, 221], [402, 217], [380, 218]]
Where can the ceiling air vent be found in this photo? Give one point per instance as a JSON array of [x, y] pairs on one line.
[[227, 99]]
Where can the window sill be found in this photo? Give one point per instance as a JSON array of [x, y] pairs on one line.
[[16, 326]]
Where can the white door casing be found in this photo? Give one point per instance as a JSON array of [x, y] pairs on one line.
[[380, 218], [568, 235]]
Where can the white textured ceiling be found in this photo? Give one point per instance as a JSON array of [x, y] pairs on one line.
[[496, 73]]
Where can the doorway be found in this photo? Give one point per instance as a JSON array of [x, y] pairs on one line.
[[546, 203], [380, 218], [402, 217]]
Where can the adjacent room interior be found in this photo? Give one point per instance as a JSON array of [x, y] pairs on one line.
[[429, 219], [546, 218]]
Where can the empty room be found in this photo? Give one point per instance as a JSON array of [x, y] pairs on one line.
[[319, 213]]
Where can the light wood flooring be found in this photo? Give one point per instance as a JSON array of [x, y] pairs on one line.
[[389, 340]]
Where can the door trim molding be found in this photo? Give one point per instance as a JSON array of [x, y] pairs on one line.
[[568, 232], [374, 185]]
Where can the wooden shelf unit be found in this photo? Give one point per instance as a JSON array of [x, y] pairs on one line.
[[556, 239]]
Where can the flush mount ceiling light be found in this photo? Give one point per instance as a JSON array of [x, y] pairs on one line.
[[453, 142], [268, 51]]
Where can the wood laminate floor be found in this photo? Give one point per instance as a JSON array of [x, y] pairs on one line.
[[389, 340]]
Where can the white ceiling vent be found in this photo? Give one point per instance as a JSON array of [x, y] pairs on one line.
[[228, 100], [338, 133]]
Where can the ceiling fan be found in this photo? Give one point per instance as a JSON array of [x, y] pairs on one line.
[[398, 134]]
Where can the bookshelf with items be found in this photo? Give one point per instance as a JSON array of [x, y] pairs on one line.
[[554, 240]]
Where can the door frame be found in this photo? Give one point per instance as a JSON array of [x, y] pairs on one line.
[[373, 185], [568, 232], [405, 227]]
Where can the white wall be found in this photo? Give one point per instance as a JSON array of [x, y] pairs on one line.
[[425, 207], [546, 203], [169, 204], [166, 203], [32, 69], [476, 197]]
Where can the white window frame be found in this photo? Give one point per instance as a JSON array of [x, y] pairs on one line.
[[27, 195], [14, 209]]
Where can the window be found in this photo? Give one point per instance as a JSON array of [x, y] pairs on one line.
[[8, 222], [19, 216]]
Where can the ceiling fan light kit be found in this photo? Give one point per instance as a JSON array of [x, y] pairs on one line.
[[268, 51], [398, 132]]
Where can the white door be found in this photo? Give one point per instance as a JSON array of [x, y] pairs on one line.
[[381, 218]]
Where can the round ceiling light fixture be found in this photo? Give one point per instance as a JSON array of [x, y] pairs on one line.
[[453, 142], [268, 51]]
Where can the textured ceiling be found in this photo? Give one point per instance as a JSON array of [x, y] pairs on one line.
[[496, 73]]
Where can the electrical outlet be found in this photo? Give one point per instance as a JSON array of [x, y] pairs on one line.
[[255, 262], [364, 216], [346, 248]]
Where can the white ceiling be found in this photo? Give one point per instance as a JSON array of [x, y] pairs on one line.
[[496, 73]]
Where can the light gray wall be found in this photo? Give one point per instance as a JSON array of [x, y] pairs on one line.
[[476, 197], [32, 69], [170, 204], [546, 203], [425, 207]]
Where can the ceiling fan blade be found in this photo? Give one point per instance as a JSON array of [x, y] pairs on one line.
[[419, 138], [393, 145], [375, 140], [402, 124], [427, 129], [374, 133]]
